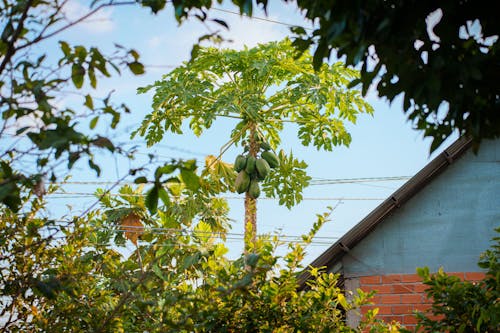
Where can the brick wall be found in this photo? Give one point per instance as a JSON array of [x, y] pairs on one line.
[[400, 295]]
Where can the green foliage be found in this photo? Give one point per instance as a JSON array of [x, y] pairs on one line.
[[446, 76], [33, 81], [463, 306], [442, 57], [266, 85], [79, 276], [261, 88], [288, 180]]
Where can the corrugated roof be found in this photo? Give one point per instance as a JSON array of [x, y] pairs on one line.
[[335, 252]]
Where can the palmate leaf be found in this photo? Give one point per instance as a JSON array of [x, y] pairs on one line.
[[261, 88], [219, 175], [287, 181], [262, 84]]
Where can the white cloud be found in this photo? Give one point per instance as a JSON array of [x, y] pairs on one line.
[[99, 22]]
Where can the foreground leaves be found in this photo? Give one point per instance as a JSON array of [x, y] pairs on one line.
[[78, 276]]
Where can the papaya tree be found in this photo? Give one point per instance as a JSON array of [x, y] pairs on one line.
[[261, 88]]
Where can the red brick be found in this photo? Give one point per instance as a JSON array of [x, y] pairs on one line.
[[382, 309], [420, 287], [392, 278], [392, 318], [421, 307], [366, 288], [390, 299], [402, 288], [474, 276], [411, 299], [426, 300], [365, 308], [402, 309], [436, 318], [410, 319], [374, 279], [375, 299], [410, 278], [383, 289]]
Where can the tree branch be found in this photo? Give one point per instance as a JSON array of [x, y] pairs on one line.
[[11, 50], [69, 25]]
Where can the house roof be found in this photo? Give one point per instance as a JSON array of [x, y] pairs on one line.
[[335, 252]]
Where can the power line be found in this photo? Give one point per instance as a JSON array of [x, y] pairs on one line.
[[314, 181], [325, 181], [61, 195], [319, 240], [258, 18]]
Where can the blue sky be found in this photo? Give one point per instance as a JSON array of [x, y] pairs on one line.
[[384, 145]]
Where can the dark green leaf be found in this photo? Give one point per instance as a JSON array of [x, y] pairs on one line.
[[164, 196], [103, 142], [95, 167], [77, 75], [221, 22], [151, 200], [141, 180], [155, 5], [136, 67], [65, 48], [93, 122], [190, 179], [164, 170], [89, 102]]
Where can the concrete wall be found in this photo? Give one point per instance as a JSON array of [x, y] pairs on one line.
[[447, 224]]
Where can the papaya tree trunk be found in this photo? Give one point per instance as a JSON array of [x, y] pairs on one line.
[[251, 203]]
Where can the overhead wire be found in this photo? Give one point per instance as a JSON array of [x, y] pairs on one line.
[[138, 195], [318, 240], [314, 181], [258, 18]]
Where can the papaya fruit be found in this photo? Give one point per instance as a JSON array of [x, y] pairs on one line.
[[271, 159], [254, 189], [250, 166], [262, 167], [242, 182], [265, 146], [239, 163]]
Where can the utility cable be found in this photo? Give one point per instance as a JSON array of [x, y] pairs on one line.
[[314, 181], [86, 194], [258, 18]]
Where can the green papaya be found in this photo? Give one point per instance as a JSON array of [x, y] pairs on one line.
[[254, 189], [265, 146], [271, 159], [242, 182], [250, 167], [262, 167], [239, 163]]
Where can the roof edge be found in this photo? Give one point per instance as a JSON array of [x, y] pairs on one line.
[[394, 201]]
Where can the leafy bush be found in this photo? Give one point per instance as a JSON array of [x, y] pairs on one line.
[[463, 306]]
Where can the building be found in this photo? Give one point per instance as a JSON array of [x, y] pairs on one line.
[[444, 216]]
